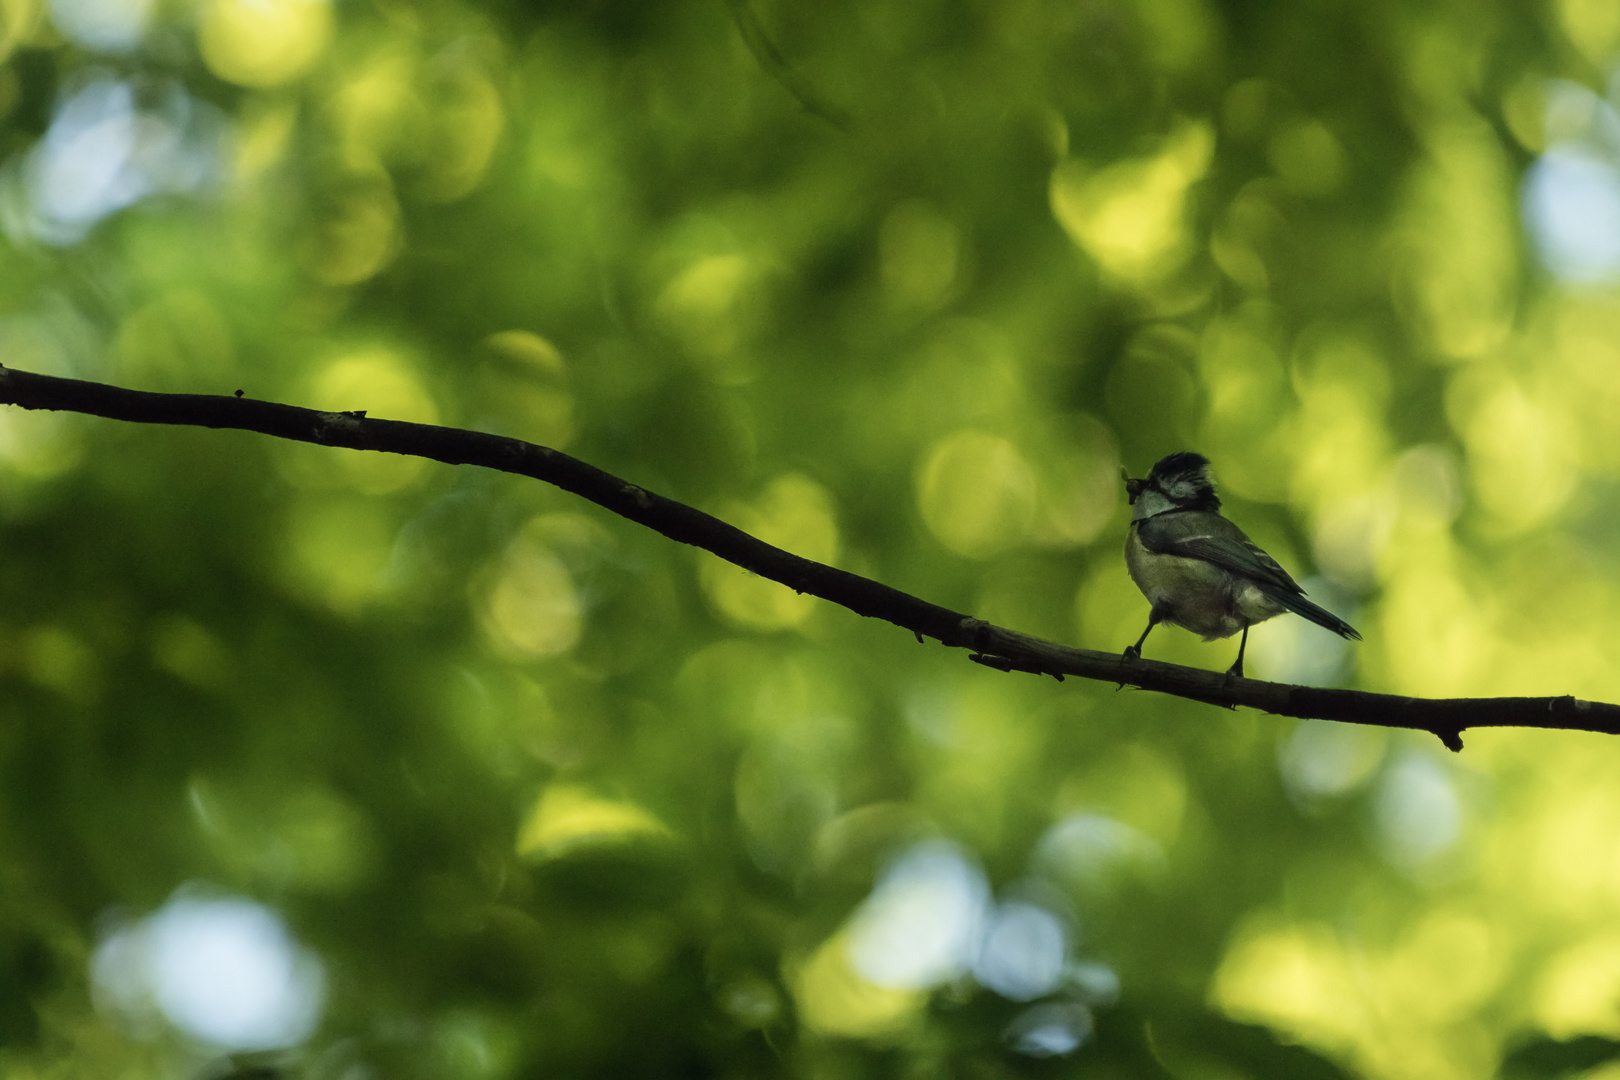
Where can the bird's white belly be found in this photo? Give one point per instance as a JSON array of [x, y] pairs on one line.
[[1198, 595]]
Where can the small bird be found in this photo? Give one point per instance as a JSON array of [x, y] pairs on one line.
[[1198, 570]]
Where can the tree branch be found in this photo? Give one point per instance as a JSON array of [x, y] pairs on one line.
[[770, 58], [992, 646]]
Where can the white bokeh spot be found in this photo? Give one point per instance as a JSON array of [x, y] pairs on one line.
[[223, 970], [1024, 951], [1571, 195], [922, 923]]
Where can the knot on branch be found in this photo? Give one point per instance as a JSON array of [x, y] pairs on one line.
[[968, 634], [342, 427]]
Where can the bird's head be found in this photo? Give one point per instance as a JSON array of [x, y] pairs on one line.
[[1178, 482]]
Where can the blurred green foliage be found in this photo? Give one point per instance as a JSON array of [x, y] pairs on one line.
[[511, 788]]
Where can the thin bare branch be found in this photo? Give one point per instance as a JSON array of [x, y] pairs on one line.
[[1445, 718], [770, 58], [992, 646]]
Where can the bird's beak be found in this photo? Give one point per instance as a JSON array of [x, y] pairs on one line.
[[1133, 488]]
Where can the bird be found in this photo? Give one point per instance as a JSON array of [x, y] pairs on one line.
[[1197, 569]]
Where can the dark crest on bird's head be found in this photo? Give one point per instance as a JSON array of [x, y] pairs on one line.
[[1184, 480]]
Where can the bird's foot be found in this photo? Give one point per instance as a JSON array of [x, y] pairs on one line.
[[1130, 654]]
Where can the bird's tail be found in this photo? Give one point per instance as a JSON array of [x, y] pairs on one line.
[[1319, 615]]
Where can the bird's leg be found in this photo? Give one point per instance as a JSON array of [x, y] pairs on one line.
[[1134, 652], [1237, 668]]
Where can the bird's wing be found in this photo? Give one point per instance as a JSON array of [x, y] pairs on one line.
[[1194, 534]]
